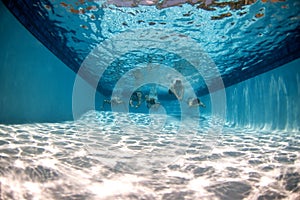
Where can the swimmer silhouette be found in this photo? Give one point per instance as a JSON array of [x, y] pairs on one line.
[[193, 102], [136, 98], [151, 102], [177, 89], [113, 101]]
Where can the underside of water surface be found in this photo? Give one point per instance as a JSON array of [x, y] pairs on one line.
[[239, 38], [149, 99]]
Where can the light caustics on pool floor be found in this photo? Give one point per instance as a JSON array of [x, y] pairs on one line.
[[95, 157]]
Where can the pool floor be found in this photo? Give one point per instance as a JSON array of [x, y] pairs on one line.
[[107, 155]]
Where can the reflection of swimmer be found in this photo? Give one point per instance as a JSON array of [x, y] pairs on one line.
[[137, 98], [113, 101], [151, 102], [177, 89], [192, 102], [159, 4]]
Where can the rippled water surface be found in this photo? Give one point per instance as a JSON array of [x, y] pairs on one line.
[[107, 155], [242, 38]]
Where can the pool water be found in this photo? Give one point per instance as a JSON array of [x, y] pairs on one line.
[[109, 155], [68, 72]]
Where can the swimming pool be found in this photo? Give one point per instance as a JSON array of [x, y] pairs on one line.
[[169, 100]]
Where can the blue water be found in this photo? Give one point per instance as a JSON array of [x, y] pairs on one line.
[[59, 141]]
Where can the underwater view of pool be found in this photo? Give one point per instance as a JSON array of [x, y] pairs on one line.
[[150, 99]]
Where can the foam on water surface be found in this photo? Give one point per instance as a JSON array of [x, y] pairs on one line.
[[106, 155]]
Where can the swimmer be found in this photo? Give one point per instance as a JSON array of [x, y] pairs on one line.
[[136, 97], [113, 101], [177, 89], [151, 102], [193, 102]]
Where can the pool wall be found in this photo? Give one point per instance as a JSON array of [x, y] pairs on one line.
[[35, 86], [268, 101]]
